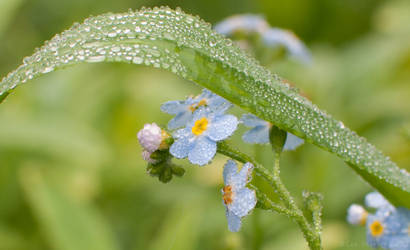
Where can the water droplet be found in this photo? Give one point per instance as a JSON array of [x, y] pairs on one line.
[[138, 60]]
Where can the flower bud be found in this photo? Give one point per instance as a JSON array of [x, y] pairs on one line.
[[356, 215], [152, 138]]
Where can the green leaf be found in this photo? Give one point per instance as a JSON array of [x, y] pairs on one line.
[[187, 46], [67, 225]]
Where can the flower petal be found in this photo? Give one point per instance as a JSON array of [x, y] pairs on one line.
[[222, 127], [244, 22], [181, 147], [182, 133], [251, 120], [243, 202], [200, 113], [180, 120], [376, 200], [398, 221], [234, 222], [217, 103], [230, 169], [203, 151], [243, 177], [399, 242], [173, 107], [278, 37], [292, 142], [258, 135]]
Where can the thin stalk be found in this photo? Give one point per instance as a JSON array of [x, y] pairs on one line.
[[266, 204]]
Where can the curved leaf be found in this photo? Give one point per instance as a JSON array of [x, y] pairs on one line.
[[187, 46]]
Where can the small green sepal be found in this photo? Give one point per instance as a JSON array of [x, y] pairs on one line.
[[277, 138], [178, 171]]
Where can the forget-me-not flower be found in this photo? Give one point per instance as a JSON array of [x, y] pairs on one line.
[[184, 110], [387, 228], [198, 139], [259, 133], [246, 23], [271, 37], [237, 198], [381, 226]]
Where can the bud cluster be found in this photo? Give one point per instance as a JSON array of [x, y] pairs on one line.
[[156, 142]]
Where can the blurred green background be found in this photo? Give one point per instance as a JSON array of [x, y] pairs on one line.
[[71, 175]]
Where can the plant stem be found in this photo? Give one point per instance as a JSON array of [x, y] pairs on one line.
[[292, 210], [311, 235], [313, 202], [266, 204]]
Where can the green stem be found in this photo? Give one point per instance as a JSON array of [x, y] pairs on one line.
[[266, 204], [311, 235], [313, 202], [292, 210], [317, 220]]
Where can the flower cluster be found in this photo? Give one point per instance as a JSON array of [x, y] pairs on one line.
[[155, 142], [271, 37], [199, 123], [388, 227]]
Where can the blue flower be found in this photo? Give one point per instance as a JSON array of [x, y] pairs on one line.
[[248, 23], [198, 139], [279, 37], [183, 110], [381, 226], [271, 37], [259, 134], [237, 198]]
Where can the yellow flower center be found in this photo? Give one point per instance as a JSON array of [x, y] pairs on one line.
[[376, 228], [200, 126], [195, 106], [228, 195]]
